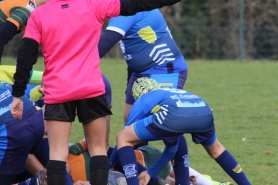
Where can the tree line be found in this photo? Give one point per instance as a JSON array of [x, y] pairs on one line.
[[210, 29]]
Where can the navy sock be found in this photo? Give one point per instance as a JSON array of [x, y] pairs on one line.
[[99, 169], [232, 168], [181, 163], [56, 172], [129, 164]]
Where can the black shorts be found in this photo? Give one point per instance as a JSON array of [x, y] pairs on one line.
[[86, 109]]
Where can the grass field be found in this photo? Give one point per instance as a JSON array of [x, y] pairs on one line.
[[244, 99]]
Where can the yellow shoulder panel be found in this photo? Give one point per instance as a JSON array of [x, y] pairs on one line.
[[7, 73]]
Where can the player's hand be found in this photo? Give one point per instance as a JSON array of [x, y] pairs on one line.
[[17, 108], [41, 89], [144, 178]]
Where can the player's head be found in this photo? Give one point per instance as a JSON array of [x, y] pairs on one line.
[[142, 86]]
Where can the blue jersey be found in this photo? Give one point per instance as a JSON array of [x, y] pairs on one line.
[[147, 42], [6, 98], [173, 110]]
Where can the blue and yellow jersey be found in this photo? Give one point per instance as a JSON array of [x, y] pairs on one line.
[[170, 109], [16, 11], [147, 41], [6, 98]]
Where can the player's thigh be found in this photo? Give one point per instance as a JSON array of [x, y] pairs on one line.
[[92, 108], [135, 133], [127, 137], [58, 119], [60, 112]]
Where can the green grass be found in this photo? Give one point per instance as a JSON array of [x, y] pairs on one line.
[[244, 99]]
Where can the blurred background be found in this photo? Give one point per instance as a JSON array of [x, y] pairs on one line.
[[216, 29]]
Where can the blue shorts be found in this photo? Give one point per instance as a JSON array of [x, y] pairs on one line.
[[18, 138], [146, 130], [170, 80]]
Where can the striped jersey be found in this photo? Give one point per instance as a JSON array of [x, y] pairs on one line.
[[172, 110], [147, 41], [16, 11], [6, 98]]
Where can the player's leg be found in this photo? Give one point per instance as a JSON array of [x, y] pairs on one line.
[[58, 138], [92, 114], [225, 159], [126, 139], [108, 97], [181, 163]]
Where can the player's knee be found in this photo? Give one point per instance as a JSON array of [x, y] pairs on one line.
[[215, 150], [121, 138]]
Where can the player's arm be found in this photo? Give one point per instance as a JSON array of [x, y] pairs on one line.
[[33, 165], [7, 31], [27, 56], [15, 22], [131, 7], [107, 40], [167, 155]]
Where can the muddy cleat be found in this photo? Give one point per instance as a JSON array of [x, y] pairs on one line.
[[41, 178]]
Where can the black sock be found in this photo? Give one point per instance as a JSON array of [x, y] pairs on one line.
[[56, 172], [99, 169]]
